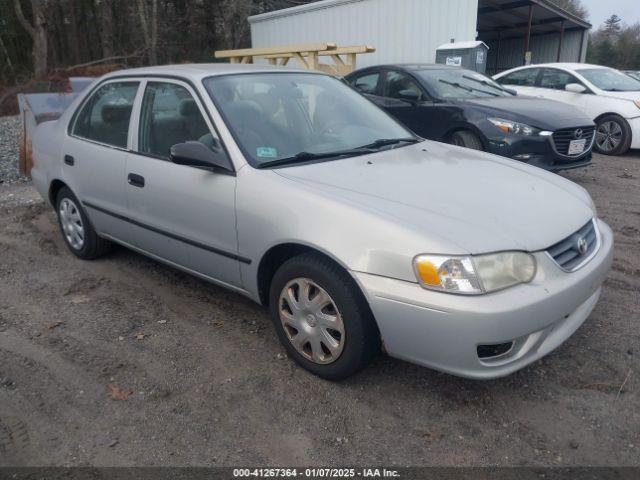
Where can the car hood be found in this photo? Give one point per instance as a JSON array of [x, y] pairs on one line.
[[634, 96], [477, 202], [538, 112]]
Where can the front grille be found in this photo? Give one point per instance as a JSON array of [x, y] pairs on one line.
[[562, 138], [575, 250]]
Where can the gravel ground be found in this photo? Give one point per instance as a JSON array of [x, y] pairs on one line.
[[123, 361], [9, 138]]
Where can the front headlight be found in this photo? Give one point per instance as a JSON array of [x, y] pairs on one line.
[[474, 275], [507, 126]]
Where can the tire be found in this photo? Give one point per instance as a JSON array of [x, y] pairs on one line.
[[81, 239], [613, 135], [359, 341], [467, 139]]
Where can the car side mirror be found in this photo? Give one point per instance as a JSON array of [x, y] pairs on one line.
[[196, 154], [409, 95], [575, 88]]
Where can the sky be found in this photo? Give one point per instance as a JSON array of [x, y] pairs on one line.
[[600, 10]]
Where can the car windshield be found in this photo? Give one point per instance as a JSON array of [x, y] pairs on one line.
[[279, 118], [455, 83], [610, 80]]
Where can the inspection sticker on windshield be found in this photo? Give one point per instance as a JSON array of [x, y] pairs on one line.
[[266, 152]]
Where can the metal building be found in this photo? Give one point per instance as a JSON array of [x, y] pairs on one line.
[[411, 30]]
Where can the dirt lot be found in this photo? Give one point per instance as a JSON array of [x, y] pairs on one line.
[[202, 379]]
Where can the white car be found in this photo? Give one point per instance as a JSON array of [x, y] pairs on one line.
[[608, 96]]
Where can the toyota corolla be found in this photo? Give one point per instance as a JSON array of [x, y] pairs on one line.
[[292, 189]]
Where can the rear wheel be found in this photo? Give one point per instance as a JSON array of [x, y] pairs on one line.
[[613, 135], [77, 231], [467, 139], [322, 318]]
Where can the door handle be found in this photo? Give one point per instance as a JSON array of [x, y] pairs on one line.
[[69, 160], [135, 180]]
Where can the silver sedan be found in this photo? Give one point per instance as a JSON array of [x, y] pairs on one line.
[[289, 187]]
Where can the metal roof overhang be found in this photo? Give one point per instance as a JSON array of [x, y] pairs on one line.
[[506, 19]]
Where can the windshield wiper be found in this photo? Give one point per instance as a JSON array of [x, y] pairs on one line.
[[383, 142], [464, 87], [308, 156], [487, 84], [363, 150]]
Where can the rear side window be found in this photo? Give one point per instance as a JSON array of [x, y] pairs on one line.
[[170, 115], [521, 78], [556, 79], [106, 115], [367, 83]]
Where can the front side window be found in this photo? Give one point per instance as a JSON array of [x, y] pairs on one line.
[[556, 79], [610, 80], [277, 116], [169, 116], [106, 115], [521, 78], [397, 82], [367, 83]]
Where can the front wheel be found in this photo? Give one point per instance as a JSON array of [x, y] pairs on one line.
[[322, 318], [466, 139], [613, 135]]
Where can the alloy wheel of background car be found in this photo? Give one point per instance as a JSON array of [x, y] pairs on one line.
[[340, 309], [77, 231], [311, 321], [613, 135]]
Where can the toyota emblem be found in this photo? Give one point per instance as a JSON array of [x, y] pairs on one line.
[[578, 134], [582, 245]]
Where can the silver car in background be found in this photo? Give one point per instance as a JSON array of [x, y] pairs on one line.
[[289, 187]]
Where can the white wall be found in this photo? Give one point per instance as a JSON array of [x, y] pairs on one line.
[[401, 30]]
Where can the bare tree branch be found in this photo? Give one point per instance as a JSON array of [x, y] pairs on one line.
[[23, 20]]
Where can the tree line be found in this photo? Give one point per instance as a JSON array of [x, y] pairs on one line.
[[615, 45], [40, 36]]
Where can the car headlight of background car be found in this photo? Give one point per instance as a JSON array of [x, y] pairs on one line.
[[474, 275], [508, 126]]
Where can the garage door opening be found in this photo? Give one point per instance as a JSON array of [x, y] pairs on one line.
[[519, 32]]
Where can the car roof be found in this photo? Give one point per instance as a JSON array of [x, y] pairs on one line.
[[409, 67], [197, 71], [565, 65]]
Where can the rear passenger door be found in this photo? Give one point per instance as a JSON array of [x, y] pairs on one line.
[[181, 214], [95, 155]]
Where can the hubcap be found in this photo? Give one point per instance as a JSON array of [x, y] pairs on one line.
[[311, 321], [608, 136], [71, 222]]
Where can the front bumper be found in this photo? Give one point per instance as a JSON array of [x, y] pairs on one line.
[[634, 123], [537, 151], [443, 331]]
